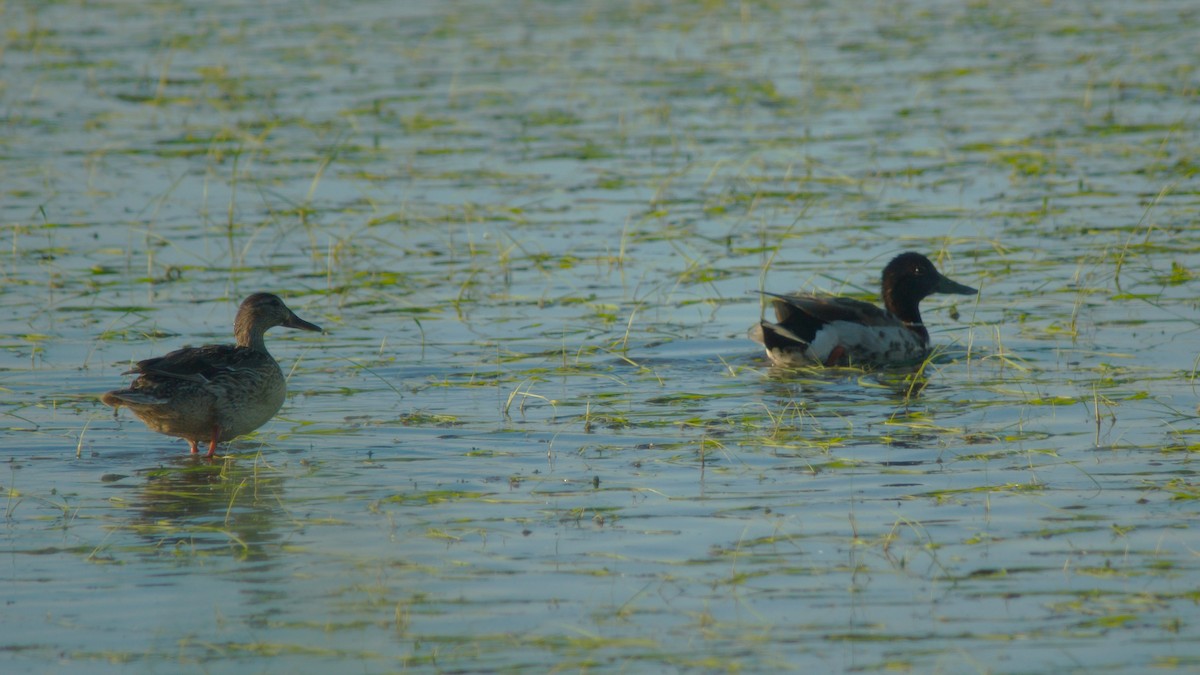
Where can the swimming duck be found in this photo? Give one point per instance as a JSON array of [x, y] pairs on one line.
[[214, 393], [840, 331]]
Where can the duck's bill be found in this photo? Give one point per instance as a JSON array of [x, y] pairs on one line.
[[296, 322], [947, 285]]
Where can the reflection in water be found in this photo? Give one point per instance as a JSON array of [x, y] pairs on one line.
[[820, 408], [205, 506], [845, 386]]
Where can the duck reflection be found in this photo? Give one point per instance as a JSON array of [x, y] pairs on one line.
[[205, 507], [846, 386], [817, 408]]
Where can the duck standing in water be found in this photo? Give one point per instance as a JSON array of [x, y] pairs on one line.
[[840, 331], [214, 393]]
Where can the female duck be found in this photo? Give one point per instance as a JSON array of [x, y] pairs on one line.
[[840, 331], [214, 393]]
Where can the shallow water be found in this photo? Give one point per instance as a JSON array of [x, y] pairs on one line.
[[534, 435]]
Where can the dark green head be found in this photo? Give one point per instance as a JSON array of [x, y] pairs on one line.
[[910, 278]]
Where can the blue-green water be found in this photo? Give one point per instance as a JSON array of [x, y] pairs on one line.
[[534, 436]]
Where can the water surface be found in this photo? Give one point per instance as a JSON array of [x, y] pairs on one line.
[[534, 436]]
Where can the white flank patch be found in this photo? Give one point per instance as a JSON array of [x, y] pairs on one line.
[[867, 344]]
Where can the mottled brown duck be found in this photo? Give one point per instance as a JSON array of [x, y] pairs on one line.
[[214, 393]]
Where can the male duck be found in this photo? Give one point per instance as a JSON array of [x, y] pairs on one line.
[[214, 393], [839, 331]]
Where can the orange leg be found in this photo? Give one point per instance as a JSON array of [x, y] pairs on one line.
[[836, 356], [212, 443], [192, 441]]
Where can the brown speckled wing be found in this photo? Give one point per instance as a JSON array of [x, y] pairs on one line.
[[194, 364]]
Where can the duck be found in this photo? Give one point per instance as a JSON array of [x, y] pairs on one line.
[[840, 331], [214, 393]]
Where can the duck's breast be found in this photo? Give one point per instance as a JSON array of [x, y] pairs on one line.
[[246, 398]]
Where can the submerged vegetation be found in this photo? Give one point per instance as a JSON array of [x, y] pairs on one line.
[[535, 436]]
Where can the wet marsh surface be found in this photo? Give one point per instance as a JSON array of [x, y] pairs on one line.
[[535, 436]]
